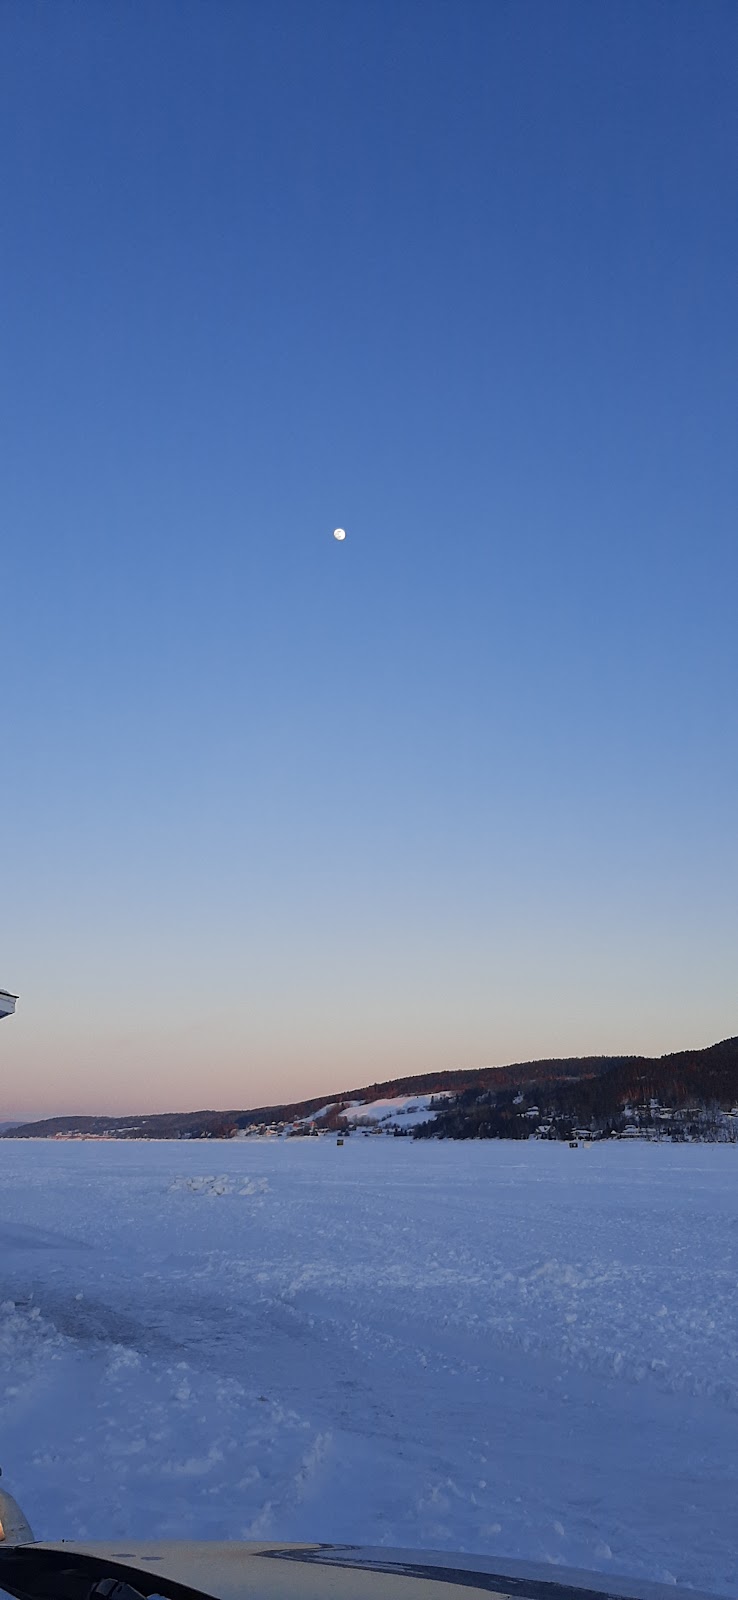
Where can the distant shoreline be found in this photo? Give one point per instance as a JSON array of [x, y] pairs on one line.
[[686, 1096]]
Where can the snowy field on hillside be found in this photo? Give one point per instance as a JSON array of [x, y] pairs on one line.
[[512, 1349]]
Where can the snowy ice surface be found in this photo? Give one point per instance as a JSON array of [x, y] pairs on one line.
[[515, 1349]]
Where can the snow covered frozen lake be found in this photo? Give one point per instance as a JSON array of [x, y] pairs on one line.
[[515, 1349]]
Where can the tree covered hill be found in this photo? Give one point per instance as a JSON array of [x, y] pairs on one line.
[[644, 1091], [222, 1124], [591, 1092]]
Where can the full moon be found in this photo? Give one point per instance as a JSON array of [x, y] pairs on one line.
[[339, 533]]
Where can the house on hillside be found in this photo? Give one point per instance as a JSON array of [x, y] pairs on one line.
[[7, 1003]]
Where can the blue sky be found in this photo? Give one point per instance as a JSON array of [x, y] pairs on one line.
[[282, 815]]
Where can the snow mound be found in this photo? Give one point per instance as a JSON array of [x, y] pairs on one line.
[[221, 1184]]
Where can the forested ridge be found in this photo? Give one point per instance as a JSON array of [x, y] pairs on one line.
[[687, 1093], [553, 1097]]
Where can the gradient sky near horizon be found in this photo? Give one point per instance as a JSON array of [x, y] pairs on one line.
[[281, 815]]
